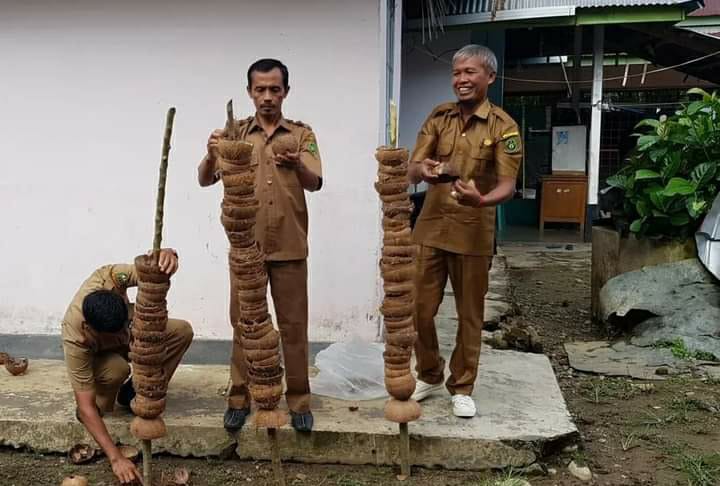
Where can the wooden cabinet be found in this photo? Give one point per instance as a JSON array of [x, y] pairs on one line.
[[563, 199]]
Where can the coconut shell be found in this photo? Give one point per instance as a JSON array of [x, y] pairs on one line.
[[398, 309], [399, 251], [257, 331], [243, 211], [75, 481], [245, 179], [394, 325], [402, 412], [154, 359], [81, 454], [270, 419], [154, 373], [401, 338], [147, 408], [144, 429], [396, 289], [270, 341], [398, 366], [392, 156], [399, 209], [149, 336], [402, 387], [397, 350], [399, 170], [397, 373], [275, 379], [284, 143], [392, 198], [241, 238], [129, 452], [249, 296], [266, 363], [148, 271], [398, 273], [143, 325], [235, 152], [144, 348], [403, 360], [391, 188], [16, 366], [253, 355], [235, 225]]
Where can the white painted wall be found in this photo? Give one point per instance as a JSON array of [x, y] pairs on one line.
[[84, 88]]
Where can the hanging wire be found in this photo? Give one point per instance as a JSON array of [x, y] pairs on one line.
[[643, 75]]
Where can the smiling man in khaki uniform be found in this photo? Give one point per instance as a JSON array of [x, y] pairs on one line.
[[96, 339], [455, 229], [281, 230]]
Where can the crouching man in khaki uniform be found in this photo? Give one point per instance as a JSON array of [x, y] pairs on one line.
[[96, 341]]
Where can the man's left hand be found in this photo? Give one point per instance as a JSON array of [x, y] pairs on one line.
[[168, 261], [289, 160], [467, 194]]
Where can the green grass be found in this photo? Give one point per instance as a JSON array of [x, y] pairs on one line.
[[679, 349], [600, 390], [701, 470]]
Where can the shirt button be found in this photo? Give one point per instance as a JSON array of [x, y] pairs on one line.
[[269, 181], [463, 135]]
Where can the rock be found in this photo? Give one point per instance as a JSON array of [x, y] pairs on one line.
[[582, 473], [662, 371], [533, 470], [679, 300], [552, 471]]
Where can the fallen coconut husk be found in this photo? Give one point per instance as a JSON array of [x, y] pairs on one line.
[[145, 429], [81, 454], [16, 366], [129, 452], [75, 481]]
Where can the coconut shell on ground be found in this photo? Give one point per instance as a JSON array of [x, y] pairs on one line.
[[81, 453], [402, 412], [16, 366], [145, 429], [75, 481]]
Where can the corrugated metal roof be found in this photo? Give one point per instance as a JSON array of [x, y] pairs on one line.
[[712, 7], [465, 7]]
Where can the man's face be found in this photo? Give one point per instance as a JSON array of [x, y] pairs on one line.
[[267, 92], [470, 80]]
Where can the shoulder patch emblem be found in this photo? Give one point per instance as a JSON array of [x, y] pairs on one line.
[[512, 144], [313, 148], [122, 278]]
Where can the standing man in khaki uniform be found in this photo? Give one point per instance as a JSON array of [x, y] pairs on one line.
[[455, 229], [281, 230], [96, 341]]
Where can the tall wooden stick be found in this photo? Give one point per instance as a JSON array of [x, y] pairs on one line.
[[147, 461], [159, 206], [404, 452], [230, 124], [275, 456]]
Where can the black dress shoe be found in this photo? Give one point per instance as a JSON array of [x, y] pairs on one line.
[[234, 418], [302, 422], [126, 394]]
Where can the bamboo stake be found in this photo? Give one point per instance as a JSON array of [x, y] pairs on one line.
[[404, 452], [230, 124], [159, 206], [147, 462], [275, 454]]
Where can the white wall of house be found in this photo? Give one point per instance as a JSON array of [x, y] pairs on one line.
[[84, 88]]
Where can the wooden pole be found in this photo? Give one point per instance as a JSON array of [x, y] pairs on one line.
[[147, 462], [404, 452], [275, 455], [159, 205]]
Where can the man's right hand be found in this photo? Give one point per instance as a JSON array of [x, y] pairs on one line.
[[125, 470], [427, 173], [212, 144]]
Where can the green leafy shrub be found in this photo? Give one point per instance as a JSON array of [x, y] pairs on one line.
[[673, 174]]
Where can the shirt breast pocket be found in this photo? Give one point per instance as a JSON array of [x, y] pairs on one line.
[[444, 149], [483, 160]]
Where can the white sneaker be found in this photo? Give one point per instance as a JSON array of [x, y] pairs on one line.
[[424, 390], [463, 406]]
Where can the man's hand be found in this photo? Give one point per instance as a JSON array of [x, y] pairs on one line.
[[168, 261], [427, 171], [289, 160], [467, 194], [212, 144], [125, 470]]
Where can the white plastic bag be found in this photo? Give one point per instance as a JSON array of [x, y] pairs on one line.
[[350, 371]]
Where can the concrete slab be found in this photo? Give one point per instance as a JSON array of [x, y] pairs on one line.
[[520, 405]]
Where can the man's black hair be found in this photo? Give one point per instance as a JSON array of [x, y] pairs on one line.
[[105, 311], [267, 65]]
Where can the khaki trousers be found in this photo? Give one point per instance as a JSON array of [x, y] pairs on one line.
[[112, 369], [469, 278], [288, 287]]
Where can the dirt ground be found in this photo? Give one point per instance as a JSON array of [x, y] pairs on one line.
[[666, 433]]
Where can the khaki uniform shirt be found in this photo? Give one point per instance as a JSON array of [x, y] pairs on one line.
[[485, 147], [282, 221], [81, 342]]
